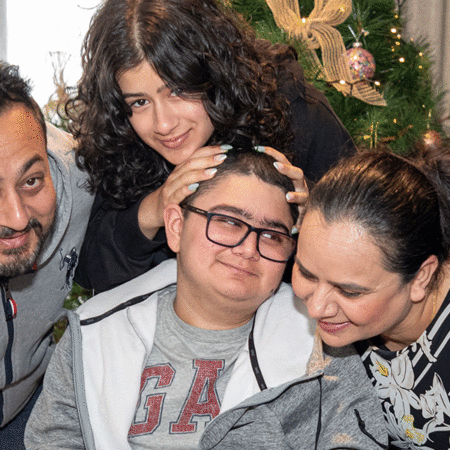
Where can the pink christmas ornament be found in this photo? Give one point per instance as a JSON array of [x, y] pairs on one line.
[[360, 62]]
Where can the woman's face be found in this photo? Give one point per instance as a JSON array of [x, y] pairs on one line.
[[172, 125], [339, 275]]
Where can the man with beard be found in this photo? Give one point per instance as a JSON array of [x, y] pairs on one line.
[[43, 216]]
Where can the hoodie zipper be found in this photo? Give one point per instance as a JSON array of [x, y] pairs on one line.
[[9, 308]]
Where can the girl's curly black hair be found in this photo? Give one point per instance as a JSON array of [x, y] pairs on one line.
[[196, 47]]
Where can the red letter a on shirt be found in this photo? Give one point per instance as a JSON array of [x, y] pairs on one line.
[[205, 380]]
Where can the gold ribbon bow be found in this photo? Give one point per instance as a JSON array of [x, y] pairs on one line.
[[319, 32]]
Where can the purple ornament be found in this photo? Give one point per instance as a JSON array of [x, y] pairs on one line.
[[360, 62]]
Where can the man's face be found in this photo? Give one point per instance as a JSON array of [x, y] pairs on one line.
[[27, 195], [230, 279]]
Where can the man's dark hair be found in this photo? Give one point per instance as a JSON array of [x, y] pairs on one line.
[[16, 90]]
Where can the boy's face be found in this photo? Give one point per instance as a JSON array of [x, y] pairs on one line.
[[234, 278]]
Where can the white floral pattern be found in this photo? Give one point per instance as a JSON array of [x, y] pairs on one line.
[[413, 387]]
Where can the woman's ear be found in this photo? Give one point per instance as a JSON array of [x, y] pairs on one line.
[[423, 277], [173, 222]]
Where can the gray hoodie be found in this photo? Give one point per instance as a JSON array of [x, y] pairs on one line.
[[26, 340], [331, 407]]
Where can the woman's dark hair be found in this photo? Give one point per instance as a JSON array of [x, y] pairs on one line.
[[196, 47], [246, 161], [403, 204]]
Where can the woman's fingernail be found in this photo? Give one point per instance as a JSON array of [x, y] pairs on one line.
[[294, 230], [211, 171], [288, 196], [259, 148], [220, 157], [278, 165], [226, 147], [193, 187]]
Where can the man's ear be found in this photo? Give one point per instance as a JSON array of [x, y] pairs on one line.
[[173, 222], [423, 277]]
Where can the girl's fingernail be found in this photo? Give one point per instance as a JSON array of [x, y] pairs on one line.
[[220, 157], [294, 230], [259, 148], [278, 165], [211, 171], [226, 147], [193, 187], [288, 196]]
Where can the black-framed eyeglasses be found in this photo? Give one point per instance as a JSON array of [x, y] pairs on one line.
[[230, 232]]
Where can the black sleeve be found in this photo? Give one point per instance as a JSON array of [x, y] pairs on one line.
[[320, 138], [115, 250]]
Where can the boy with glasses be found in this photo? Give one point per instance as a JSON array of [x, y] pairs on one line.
[[210, 350]]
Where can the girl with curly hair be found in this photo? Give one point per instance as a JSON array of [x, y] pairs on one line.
[[167, 86]]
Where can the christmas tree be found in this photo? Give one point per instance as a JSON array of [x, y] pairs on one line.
[[390, 69]]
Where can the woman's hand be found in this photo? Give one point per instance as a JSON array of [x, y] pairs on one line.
[[182, 182], [282, 164]]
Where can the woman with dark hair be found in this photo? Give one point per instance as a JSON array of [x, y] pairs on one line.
[[164, 84], [372, 268]]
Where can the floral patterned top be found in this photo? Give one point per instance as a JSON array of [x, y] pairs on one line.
[[413, 386]]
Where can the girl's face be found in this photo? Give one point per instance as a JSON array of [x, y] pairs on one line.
[[339, 275], [172, 125]]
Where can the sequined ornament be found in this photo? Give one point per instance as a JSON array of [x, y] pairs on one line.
[[360, 62]]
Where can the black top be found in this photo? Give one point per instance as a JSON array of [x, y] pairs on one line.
[[115, 250], [413, 386]]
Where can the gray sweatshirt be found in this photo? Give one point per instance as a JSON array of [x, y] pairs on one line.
[[331, 407], [26, 340]]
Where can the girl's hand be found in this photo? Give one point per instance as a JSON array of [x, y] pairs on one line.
[[282, 164], [182, 182]]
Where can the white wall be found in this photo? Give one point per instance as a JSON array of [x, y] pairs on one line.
[[3, 42], [38, 27]]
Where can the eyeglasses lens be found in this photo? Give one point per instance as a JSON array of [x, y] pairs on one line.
[[227, 231]]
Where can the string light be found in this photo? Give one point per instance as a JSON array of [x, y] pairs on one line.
[[402, 60], [393, 30]]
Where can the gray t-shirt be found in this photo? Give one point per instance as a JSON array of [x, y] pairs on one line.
[[186, 384], [183, 380]]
